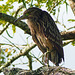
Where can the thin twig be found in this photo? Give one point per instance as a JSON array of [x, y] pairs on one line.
[[62, 25], [22, 6], [11, 42], [71, 28], [54, 6], [6, 26], [10, 45], [38, 59], [67, 42]]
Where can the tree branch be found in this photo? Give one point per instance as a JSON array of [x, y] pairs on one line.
[[22, 52], [14, 16], [65, 35], [68, 35], [57, 3], [11, 19], [1, 31], [44, 70], [67, 42]]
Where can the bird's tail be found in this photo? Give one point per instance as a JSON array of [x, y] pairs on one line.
[[54, 57]]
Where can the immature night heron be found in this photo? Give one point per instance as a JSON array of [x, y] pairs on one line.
[[44, 33]]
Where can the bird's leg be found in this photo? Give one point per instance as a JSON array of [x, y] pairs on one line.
[[45, 58]]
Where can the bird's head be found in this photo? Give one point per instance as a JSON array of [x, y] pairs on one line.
[[30, 13]]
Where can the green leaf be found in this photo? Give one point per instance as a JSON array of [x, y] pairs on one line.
[[13, 28], [19, 1], [24, 3], [8, 34], [73, 43], [72, 20]]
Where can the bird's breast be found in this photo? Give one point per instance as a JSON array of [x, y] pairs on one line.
[[38, 32], [44, 41], [41, 40]]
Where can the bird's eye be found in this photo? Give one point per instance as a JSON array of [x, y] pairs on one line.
[[27, 14]]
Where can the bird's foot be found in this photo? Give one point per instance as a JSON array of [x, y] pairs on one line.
[[45, 59]]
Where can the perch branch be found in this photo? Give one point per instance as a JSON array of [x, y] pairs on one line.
[[65, 35], [68, 35], [1, 31]]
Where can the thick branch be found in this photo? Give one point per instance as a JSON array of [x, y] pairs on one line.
[[40, 71], [68, 35], [65, 35], [11, 19], [1, 31]]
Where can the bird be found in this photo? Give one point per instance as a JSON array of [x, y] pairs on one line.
[[44, 33]]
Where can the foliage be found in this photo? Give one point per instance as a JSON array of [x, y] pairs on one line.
[[71, 20]]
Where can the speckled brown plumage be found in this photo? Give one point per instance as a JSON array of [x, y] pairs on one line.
[[45, 33]]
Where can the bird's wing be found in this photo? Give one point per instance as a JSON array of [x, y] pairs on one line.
[[52, 33]]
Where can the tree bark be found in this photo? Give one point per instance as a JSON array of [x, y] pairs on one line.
[[68, 35], [44, 70], [11, 20]]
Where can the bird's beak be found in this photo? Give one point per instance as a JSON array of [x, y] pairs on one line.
[[19, 19]]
